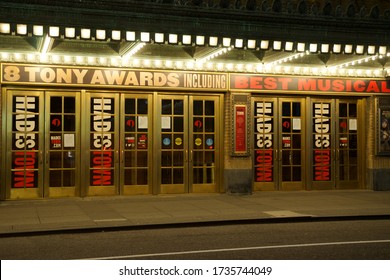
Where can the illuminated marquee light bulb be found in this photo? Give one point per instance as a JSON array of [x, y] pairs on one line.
[[215, 54], [179, 64], [259, 68]]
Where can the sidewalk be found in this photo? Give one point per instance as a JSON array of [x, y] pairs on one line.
[[99, 213]]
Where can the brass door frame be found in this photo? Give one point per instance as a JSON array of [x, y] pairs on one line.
[[335, 182], [111, 189], [62, 191], [214, 170], [292, 185], [277, 146], [136, 189], [24, 192], [188, 186]]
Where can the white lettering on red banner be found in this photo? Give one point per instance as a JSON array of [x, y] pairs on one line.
[[24, 139], [102, 140], [264, 142], [322, 142]]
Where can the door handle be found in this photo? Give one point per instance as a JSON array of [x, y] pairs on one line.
[[290, 158], [191, 156]]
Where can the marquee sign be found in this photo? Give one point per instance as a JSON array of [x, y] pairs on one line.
[[58, 75], [307, 84], [112, 77]]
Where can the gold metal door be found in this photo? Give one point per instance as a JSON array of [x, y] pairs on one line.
[[279, 143], [136, 144], [348, 155], [292, 144], [188, 156], [25, 144], [336, 143], [62, 146]]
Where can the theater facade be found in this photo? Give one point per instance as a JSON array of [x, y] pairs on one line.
[[173, 97]]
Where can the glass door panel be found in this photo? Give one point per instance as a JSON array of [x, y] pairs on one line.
[[347, 144], [292, 143], [188, 155], [279, 142], [336, 143], [173, 144], [25, 144], [62, 144], [135, 144], [204, 143]]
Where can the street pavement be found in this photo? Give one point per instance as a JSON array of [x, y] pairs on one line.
[[117, 212]]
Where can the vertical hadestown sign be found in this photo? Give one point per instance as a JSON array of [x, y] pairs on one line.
[[102, 145], [322, 141], [25, 141], [264, 141]]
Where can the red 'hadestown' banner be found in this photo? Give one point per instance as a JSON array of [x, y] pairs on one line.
[[307, 84]]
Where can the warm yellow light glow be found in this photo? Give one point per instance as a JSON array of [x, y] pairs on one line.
[[5, 28]]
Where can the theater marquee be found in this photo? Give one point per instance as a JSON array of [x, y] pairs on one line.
[[307, 84], [112, 77]]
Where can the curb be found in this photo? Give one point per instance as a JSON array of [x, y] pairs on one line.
[[272, 220]]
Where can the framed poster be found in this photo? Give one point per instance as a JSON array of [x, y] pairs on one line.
[[383, 126], [240, 129], [240, 112]]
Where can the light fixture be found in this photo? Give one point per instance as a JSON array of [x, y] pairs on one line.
[[354, 62], [173, 39], [54, 31], [145, 37], [186, 40], [251, 44], [200, 40], [70, 32], [337, 48], [85, 33], [313, 48], [214, 54], [21, 29], [159, 38], [277, 45], [289, 46], [5, 28], [348, 49], [131, 50], [213, 41], [38, 30], [359, 49], [285, 59], [130, 36], [301, 47], [115, 35], [324, 48], [382, 50], [264, 44], [226, 42], [239, 43], [371, 50], [100, 34]]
